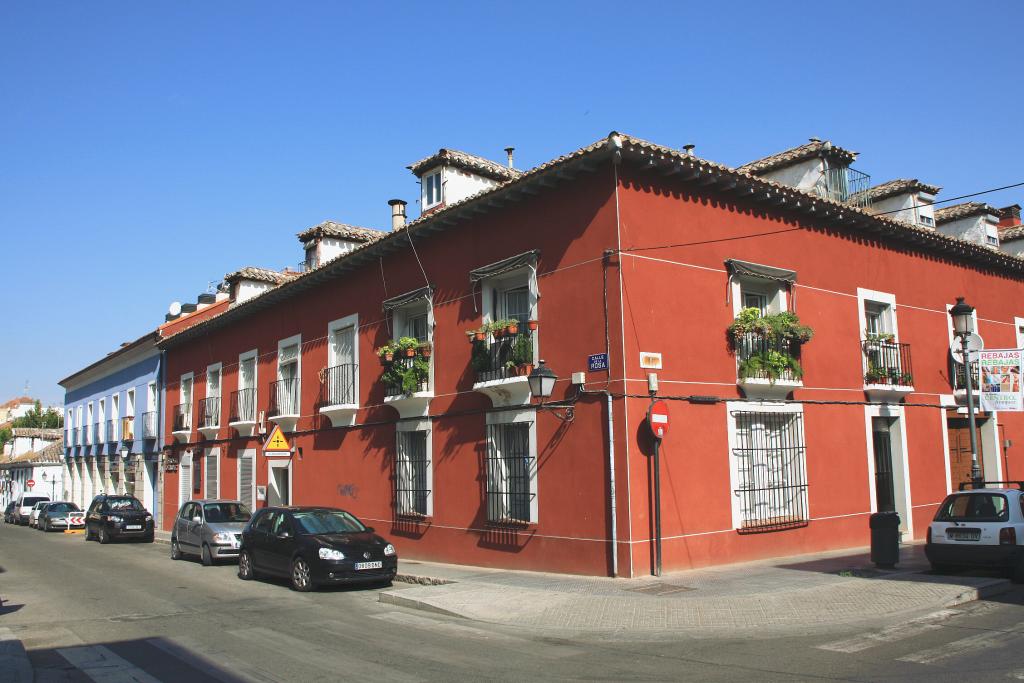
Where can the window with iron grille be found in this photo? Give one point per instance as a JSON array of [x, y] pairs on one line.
[[771, 470], [412, 474], [510, 473]]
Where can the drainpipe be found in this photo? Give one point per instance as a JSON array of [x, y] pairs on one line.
[[611, 485]]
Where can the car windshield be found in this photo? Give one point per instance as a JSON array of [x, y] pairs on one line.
[[124, 504], [327, 522], [26, 502], [62, 507], [226, 512], [974, 507]]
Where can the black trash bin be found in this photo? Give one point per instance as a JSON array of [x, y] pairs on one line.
[[885, 539]]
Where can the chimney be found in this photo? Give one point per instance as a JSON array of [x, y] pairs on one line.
[[689, 149], [812, 140], [1009, 216], [508, 151], [397, 213]]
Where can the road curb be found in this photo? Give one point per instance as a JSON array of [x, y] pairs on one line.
[[15, 666], [422, 580], [983, 592], [398, 600]]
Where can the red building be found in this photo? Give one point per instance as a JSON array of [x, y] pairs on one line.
[[780, 442]]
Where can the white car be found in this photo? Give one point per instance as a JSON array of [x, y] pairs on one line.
[[981, 527], [33, 517], [25, 503]]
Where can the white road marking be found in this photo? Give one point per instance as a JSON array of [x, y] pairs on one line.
[[323, 657], [980, 641], [891, 634], [212, 661], [1019, 675], [103, 666]]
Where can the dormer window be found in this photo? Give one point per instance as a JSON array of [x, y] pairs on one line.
[[431, 189], [926, 220]]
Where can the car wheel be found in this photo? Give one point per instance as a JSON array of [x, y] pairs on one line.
[[175, 549], [46, 526], [245, 569], [88, 533], [104, 537], [302, 580], [206, 556]]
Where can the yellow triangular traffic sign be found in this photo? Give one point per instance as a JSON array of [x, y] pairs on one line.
[[277, 441]]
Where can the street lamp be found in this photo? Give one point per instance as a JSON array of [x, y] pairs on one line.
[[963, 327], [542, 380]]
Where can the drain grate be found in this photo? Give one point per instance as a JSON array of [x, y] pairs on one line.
[[660, 589]]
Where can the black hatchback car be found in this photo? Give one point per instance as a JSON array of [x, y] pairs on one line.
[[118, 516], [314, 546]]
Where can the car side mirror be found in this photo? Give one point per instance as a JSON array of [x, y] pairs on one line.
[[197, 519], [369, 529], [284, 534]]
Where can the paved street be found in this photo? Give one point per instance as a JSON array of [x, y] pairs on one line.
[[127, 612]]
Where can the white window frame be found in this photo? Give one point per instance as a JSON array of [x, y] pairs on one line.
[[294, 340], [512, 417], [130, 402], [418, 426], [82, 431], [732, 407], [250, 499], [400, 324], [427, 179], [332, 360], [901, 462], [219, 368], [776, 292], [281, 463], [189, 379]]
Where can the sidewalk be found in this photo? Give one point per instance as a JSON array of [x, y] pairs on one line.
[[805, 591]]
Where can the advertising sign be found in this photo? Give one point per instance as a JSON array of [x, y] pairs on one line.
[[1000, 379]]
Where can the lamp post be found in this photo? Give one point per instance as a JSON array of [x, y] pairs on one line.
[[963, 327]]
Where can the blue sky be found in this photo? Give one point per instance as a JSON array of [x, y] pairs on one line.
[[146, 149]]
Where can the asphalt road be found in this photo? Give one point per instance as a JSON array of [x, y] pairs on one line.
[[126, 612]]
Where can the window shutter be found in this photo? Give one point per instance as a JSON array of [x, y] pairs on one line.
[[245, 488], [212, 474], [185, 479]]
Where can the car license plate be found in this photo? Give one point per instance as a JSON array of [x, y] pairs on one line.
[[963, 534], [369, 565], [133, 527]]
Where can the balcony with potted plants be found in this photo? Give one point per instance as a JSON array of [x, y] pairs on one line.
[[888, 373], [338, 401], [767, 349], [209, 416], [406, 375], [502, 357]]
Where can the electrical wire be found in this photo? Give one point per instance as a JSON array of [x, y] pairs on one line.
[[953, 199]]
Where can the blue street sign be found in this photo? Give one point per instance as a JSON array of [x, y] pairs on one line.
[[597, 362]]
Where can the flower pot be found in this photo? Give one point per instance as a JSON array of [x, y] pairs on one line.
[[479, 336], [512, 329], [409, 353], [498, 334], [532, 325], [387, 358], [425, 353], [524, 369]]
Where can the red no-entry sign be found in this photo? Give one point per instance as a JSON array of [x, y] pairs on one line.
[[30, 483], [657, 419]]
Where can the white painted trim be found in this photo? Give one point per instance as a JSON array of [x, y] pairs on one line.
[[900, 464], [734, 476], [186, 457], [250, 499], [207, 455], [294, 340], [219, 367], [866, 295], [353, 322], [991, 448], [777, 293], [945, 449], [512, 417], [280, 464]]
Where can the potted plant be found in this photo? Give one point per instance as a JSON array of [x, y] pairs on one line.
[[532, 325], [471, 335], [907, 379], [497, 329], [425, 349], [386, 353], [522, 354], [480, 334], [511, 326], [873, 375], [408, 346]]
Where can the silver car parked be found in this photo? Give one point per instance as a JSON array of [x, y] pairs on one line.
[[211, 529]]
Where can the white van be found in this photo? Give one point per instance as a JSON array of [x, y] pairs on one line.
[[25, 503]]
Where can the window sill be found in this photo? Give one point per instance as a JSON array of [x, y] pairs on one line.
[[209, 432], [887, 391], [510, 523], [756, 387], [244, 427], [182, 435], [415, 404]]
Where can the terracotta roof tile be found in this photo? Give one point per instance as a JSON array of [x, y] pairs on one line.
[[353, 233], [794, 155], [958, 211], [892, 188], [1010, 234], [15, 402], [260, 275], [37, 433], [470, 162]]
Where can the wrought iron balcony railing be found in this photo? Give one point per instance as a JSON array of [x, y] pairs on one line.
[[183, 417], [243, 406], [150, 429], [209, 412], [396, 388], [846, 185], [888, 363], [284, 397], [339, 385], [770, 358], [510, 355], [960, 381]]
